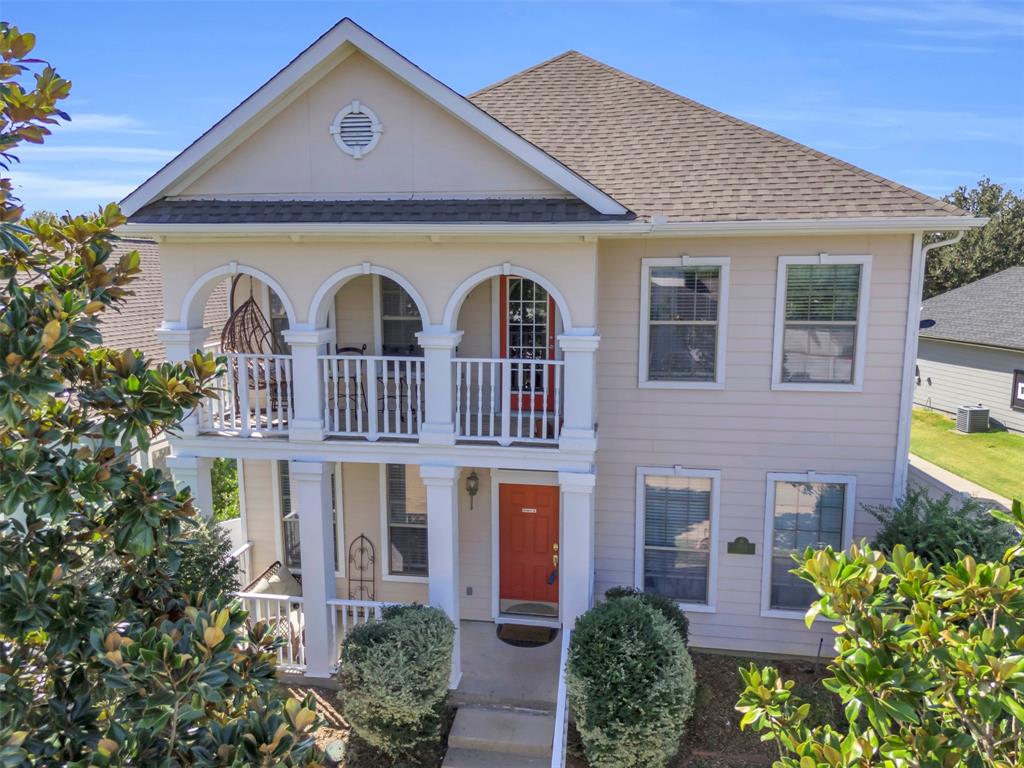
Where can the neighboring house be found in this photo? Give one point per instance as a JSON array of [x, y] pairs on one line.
[[971, 350], [611, 337]]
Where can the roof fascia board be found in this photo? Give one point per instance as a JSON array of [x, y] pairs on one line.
[[980, 345], [599, 229], [316, 60]]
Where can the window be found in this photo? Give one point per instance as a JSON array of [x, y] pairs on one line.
[[677, 521], [683, 305], [821, 312], [399, 320], [804, 510], [291, 554], [405, 521]]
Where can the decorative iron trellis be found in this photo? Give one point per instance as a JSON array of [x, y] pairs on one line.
[[361, 571]]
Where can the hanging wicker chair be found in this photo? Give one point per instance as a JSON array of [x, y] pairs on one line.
[[247, 332]]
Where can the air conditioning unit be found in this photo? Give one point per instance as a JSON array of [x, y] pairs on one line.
[[972, 418]]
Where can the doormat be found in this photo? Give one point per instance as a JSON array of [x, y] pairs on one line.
[[532, 609], [525, 636]]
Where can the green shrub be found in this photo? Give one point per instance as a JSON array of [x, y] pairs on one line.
[[934, 529], [631, 684], [224, 477], [394, 679], [666, 606], [205, 565]]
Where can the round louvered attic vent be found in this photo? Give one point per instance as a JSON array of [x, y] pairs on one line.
[[356, 129]]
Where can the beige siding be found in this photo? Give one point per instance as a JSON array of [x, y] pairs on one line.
[[745, 430], [952, 375], [353, 307], [260, 513], [475, 548], [476, 323]]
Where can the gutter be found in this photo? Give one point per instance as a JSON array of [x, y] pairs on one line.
[[609, 229], [914, 302]]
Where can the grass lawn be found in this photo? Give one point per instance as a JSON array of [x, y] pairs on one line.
[[993, 460]]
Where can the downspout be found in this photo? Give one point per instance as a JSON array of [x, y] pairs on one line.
[[917, 273]]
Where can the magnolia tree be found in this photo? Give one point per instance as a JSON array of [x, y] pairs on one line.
[[929, 663], [111, 653]]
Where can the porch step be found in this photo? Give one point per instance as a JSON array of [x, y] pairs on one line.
[[511, 732], [476, 758]]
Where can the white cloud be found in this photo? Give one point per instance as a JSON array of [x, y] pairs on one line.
[[30, 152], [36, 189], [938, 18], [98, 122]]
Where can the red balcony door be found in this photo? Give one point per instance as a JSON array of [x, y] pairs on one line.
[[528, 333], [528, 542]]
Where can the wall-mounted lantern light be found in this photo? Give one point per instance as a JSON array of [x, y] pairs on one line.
[[472, 486]]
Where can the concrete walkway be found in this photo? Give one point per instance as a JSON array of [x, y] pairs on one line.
[[938, 482]]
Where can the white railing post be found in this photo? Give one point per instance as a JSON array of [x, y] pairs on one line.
[[179, 345], [194, 472], [506, 403], [576, 554], [311, 495], [579, 391], [438, 352], [443, 549], [306, 382]]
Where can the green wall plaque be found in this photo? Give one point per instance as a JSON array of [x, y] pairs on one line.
[[741, 546]]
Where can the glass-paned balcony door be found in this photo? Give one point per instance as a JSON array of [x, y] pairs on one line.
[[528, 334]]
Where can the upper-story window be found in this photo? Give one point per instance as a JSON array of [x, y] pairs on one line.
[[399, 320], [820, 320], [683, 305], [802, 510]]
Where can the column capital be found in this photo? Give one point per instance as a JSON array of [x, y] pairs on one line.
[[309, 336], [573, 343], [436, 339], [577, 482], [192, 338], [441, 476], [311, 469]]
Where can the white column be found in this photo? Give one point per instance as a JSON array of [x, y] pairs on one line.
[[307, 422], [179, 346], [311, 496], [576, 561], [579, 391], [195, 473], [443, 550], [438, 352]]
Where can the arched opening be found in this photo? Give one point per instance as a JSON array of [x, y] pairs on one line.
[[508, 364]]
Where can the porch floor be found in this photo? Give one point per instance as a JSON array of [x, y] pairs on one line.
[[495, 673]]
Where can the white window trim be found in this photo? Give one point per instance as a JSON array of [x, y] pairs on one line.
[[385, 537], [863, 305], [849, 510], [638, 571], [722, 262], [275, 492], [375, 128]]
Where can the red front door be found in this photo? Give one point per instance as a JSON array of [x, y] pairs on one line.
[[528, 333], [528, 538]]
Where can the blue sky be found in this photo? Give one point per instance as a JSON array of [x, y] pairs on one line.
[[927, 93]]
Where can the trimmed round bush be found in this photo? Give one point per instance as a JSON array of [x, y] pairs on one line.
[[631, 684], [394, 679], [666, 606]]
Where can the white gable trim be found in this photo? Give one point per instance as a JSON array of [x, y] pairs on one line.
[[331, 48]]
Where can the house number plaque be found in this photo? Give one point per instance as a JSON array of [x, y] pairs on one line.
[[741, 545]]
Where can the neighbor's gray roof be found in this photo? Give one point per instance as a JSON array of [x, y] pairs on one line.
[[133, 326], [365, 211], [989, 311], [657, 152]]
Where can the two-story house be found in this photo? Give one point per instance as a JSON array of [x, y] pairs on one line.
[[499, 353]]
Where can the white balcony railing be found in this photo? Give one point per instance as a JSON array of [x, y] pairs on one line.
[[373, 396], [508, 401], [254, 397], [560, 740], [285, 616]]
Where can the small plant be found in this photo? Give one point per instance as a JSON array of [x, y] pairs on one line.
[[224, 477], [666, 606], [631, 684], [936, 529], [394, 680]]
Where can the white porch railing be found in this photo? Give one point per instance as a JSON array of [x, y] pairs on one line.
[[286, 618], [348, 614], [373, 396], [255, 397], [561, 737], [508, 401], [243, 556]]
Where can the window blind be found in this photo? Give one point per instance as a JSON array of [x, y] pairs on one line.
[[406, 505], [820, 334], [683, 323], [805, 515], [290, 521], [677, 537]]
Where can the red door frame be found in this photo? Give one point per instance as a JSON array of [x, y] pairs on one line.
[[525, 566], [546, 401]]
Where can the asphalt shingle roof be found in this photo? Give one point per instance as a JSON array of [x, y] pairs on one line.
[[133, 327], [366, 211], [659, 153], [989, 311]]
